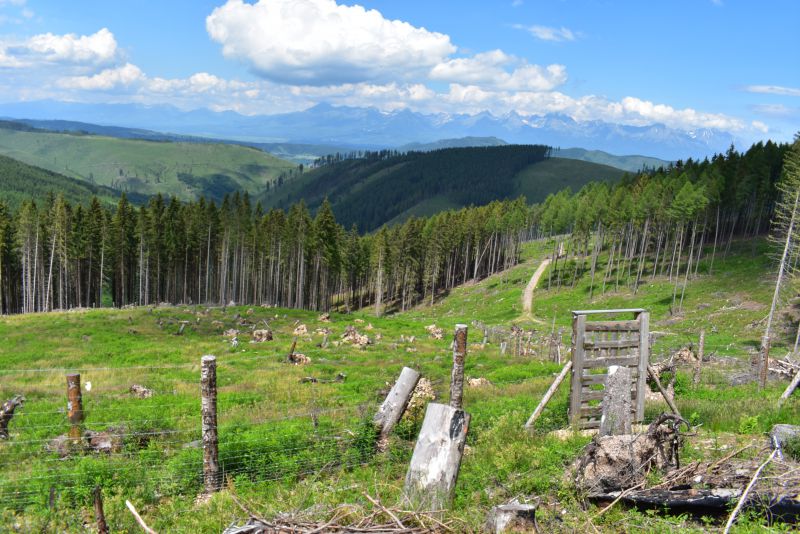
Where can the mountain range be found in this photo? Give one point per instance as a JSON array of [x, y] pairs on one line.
[[360, 127]]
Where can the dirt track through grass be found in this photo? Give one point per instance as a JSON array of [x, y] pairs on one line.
[[527, 296]]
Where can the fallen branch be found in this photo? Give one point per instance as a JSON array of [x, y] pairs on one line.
[[746, 491], [670, 401], [547, 396], [385, 510], [139, 519]]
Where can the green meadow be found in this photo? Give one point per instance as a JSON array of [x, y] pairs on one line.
[[293, 445]]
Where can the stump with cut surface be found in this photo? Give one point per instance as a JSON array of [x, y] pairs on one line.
[[432, 475], [512, 517]]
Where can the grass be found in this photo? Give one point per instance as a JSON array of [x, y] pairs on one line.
[[288, 445], [185, 170]]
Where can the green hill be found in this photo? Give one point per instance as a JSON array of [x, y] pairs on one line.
[[20, 181], [629, 163], [186, 170], [390, 187]]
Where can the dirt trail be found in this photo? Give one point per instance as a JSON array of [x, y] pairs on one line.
[[527, 296]]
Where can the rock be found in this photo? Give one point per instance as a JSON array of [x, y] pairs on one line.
[[231, 332], [781, 434], [217, 324], [359, 321], [260, 336], [478, 382], [249, 311], [423, 393], [301, 330], [324, 318], [352, 336], [141, 392], [108, 441], [299, 359], [434, 331]]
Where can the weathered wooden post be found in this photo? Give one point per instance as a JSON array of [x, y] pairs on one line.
[[764, 369], [457, 377], [395, 404], [99, 513], [433, 472], [208, 408], [616, 417], [701, 349], [74, 406]]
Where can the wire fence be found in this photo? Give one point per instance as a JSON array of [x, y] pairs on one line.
[[269, 428], [153, 446]]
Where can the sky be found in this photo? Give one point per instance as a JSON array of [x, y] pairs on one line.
[[724, 64]]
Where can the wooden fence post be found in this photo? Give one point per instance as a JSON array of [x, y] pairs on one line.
[[74, 406], [764, 369], [701, 349], [99, 513], [208, 393], [395, 404], [457, 377]]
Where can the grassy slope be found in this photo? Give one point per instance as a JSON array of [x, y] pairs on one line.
[[628, 163], [259, 395], [20, 181], [147, 167]]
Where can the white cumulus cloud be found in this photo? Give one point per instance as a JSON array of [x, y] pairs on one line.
[[104, 80], [98, 48], [319, 42], [496, 69]]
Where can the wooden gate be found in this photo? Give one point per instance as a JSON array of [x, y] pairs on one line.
[[596, 345]]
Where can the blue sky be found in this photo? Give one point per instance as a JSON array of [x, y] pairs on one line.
[[723, 64]]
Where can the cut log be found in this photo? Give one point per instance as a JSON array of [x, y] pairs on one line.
[[790, 389], [616, 418], [395, 403], [549, 395], [432, 474]]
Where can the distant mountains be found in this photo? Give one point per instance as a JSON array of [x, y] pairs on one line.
[[369, 127]]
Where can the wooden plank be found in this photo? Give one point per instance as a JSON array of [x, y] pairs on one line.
[[591, 411], [612, 344], [612, 326], [595, 363], [644, 362], [592, 395], [591, 380], [578, 333], [585, 425], [609, 312]]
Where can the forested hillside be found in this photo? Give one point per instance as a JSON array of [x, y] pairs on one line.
[[20, 182], [57, 255], [385, 186], [186, 170]]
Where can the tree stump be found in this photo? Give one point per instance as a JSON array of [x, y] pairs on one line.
[[432, 475], [512, 517]]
